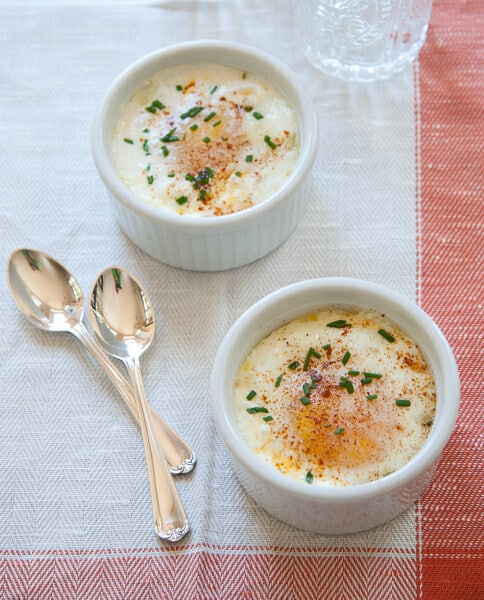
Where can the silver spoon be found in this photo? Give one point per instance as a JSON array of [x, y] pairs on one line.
[[52, 299], [121, 317]]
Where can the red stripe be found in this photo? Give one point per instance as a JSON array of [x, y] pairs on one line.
[[452, 291], [313, 573]]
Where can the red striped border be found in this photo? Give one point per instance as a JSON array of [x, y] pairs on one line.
[[452, 291], [210, 572]]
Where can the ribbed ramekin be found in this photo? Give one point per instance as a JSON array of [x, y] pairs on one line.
[[325, 508], [218, 242]]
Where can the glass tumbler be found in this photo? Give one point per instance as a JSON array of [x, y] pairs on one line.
[[362, 40]]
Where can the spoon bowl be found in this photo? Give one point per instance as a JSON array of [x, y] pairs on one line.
[[44, 290], [123, 325]]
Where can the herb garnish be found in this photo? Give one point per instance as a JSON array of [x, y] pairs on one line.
[[309, 477], [269, 142], [169, 137], [192, 112], [386, 335], [156, 104], [310, 353], [210, 116], [339, 324], [252, 394], [257, 409], [403, 402]]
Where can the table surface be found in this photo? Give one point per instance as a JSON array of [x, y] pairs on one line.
[[395, 198]]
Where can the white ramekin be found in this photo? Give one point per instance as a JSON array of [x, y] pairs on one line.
[[219, 242], [331, 509]]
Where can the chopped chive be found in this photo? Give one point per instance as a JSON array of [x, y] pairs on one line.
[[249, 158], [251, 394], [257, 115], [293, 365], [366, 380], [202, 194], [305, 400], [403, 402], [194, 127], [346, 357], [372, 375], [353, 372], [151, 109], [345, 383], [310, 353], [267, 418], [189, 177], [338, 431], [238, 173], [179, 88], [386, 335], [269, 142], [217, 123], [428, 423], [169, 137], [192, 112], [148, 167], [327, 346], [206, 139], [278, 381], [244, 75], [146, 130], [248, 108], [372, 396], [309, 477], [171, 174], [158, 104], [306, 389], [339, 324], [210, 116], [146, 147], [212, 89], [257, 409], [165, 151], [181, 200], [150, 179], [128, 140]]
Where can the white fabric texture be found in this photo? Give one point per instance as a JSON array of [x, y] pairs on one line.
[[72, 470]]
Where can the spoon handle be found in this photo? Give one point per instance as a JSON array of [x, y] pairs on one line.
[[169, 516], [177, 452]]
